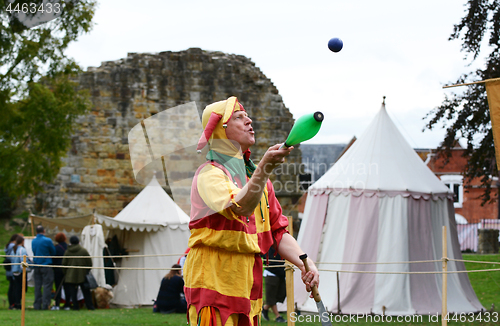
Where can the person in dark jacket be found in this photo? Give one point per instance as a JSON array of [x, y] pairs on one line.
[[75, 277], [59, 283], [171, 295]]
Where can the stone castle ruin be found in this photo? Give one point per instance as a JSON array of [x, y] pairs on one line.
[[98, 172]]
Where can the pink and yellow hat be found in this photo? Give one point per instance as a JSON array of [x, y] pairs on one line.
[[214, 120]]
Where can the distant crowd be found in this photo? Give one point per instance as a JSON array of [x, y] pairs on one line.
[[46, 276], [67, 281]]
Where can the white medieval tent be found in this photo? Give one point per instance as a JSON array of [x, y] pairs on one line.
[[152, 224], [380, 204]]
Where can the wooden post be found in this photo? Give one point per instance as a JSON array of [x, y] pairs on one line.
[[23, 298], [444, 308], [290, 300]]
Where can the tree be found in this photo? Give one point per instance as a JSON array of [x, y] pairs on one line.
[[466, 114], [39, 98]]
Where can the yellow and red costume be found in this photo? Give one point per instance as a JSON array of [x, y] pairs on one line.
[[223, 272]]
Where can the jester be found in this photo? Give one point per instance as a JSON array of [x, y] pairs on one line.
[[235, 217]]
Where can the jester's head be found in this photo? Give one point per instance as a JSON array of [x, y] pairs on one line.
[[227, 128]]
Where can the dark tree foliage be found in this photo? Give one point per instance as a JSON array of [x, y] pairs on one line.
[[466, 114], [39, 99]]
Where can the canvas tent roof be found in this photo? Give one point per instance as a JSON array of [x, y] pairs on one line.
[[150, 210], [381, 159], [69, 224]]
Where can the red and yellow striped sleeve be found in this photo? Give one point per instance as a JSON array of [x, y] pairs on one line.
[[217, 190]]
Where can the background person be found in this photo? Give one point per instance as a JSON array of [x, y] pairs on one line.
[[75, 277], [183, 258], [17, 270], [59, 283], [8, 270], [44, 276], [171, 294], [275, 283]]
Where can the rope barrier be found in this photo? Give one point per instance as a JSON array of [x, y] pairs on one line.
[[275, 260], [476, 261], [286, 266], [118, 256], [28, 265], [435, 272], [382, 263], [103, 267]]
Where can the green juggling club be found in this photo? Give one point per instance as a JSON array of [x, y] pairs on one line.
[[305, 128]]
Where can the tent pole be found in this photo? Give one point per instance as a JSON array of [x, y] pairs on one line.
[[473, 83], [444, 311], [164, 170], [338, 293], [290, 300], [31, 222]]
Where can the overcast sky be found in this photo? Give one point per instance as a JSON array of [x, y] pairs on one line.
[[392, 48]]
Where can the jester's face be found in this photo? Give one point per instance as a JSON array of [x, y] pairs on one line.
[[239, 128]]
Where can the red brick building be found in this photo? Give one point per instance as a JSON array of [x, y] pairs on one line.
[[467, 194]]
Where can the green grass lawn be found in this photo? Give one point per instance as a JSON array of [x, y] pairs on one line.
[[143, 316], [486, 285]]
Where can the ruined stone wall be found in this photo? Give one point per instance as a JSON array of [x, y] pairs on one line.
[[98, 172]]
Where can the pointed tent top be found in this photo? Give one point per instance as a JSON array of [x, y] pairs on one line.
[[381, 159], [153, 206], [151, 209]]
